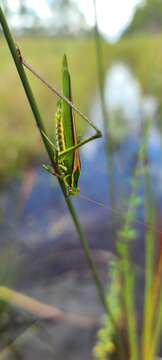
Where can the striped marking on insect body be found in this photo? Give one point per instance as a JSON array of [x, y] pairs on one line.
[[60, 140], [59, 131]]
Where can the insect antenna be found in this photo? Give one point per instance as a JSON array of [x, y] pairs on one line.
[[118, 212]]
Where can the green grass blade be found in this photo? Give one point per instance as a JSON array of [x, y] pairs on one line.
[[156, 338], [108, 139], [149, 255]]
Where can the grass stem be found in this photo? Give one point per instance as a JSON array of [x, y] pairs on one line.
[[108, 141]]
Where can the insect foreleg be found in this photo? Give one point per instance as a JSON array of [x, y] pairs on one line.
[[51, 170]]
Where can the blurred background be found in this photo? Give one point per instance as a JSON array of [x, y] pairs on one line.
[[40, 251]]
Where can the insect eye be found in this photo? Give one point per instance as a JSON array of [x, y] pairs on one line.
[[78, 190]]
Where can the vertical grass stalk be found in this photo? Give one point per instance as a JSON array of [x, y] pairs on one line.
[[149, 257], [129, 299], [157, 330], [126, 234], [108, 141]]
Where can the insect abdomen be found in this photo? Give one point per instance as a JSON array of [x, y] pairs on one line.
[[60, 140]]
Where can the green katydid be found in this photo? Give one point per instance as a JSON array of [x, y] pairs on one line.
[[66, 147]]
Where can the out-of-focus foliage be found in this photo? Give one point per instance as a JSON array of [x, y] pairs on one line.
[[147, 18], [64, 17], [139, 52]]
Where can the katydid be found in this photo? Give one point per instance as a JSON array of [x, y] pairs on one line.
[[66, 146]]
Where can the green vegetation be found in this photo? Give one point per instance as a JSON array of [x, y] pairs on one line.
[[45, 54], [147, 18], [139, 53]]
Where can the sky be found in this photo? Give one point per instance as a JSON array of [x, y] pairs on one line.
[[113, 15]]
